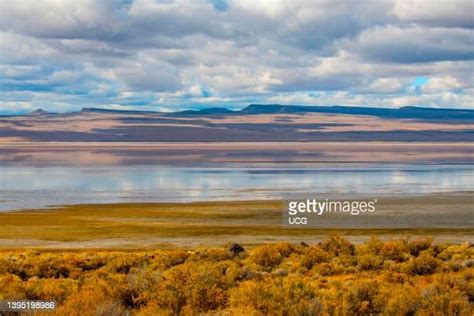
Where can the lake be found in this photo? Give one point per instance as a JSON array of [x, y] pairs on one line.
[[25, 187]]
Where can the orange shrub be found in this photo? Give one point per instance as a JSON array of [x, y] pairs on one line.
[[336, 246], [270, 255], [396, 277], [395, 250]]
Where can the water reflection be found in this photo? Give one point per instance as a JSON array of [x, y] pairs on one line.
[[34, 187]]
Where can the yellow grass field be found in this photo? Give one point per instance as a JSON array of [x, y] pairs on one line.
[[145, 226]]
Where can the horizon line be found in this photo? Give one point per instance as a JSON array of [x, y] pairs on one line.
[[184, 111]]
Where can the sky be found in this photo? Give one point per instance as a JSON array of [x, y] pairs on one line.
[[174, 55]]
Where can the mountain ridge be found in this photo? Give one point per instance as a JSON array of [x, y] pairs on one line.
[[254, 123], [407, 112]]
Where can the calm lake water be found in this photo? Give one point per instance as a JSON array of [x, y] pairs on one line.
[[36, 187]]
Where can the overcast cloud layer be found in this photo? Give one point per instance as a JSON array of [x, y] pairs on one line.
[[164, 55]]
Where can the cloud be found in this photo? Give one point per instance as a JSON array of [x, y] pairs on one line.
[[441, 83], [441, 13], [63, 55], [85, 19], [147, 74], [385, 85], [414, 44]]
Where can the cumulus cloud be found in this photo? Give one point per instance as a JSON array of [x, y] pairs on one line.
[[151, 54]]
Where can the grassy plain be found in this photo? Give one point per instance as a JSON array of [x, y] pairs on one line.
[[133, 226]]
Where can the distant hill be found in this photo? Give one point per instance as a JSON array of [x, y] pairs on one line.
[[97, 110], [401, 113], [206, 111], [255, 123], [38, 112], [408, 112]]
